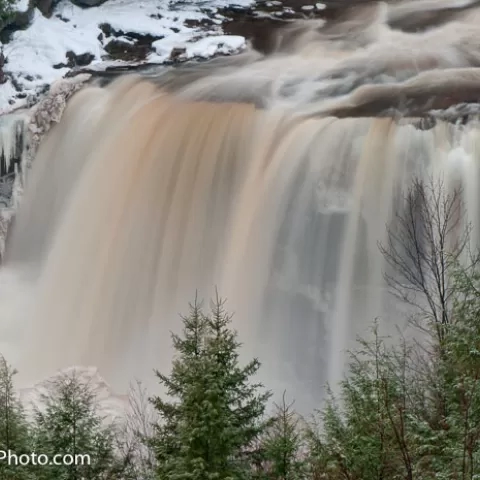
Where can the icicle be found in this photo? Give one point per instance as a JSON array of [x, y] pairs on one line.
[[12, 140]]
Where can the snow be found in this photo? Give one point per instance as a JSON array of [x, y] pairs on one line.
[[203, 48], [32, 53], [207, 47], [21, 5]]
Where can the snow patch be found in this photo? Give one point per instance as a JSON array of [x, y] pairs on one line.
[[207, 47], [203, 48], [21, 6]]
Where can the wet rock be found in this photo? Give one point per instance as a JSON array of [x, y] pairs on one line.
[[203, 23], [74, 60], [63, 19], [46, 6], [177, 53], [88, 3], [122, 49], [426, 123], [80, 60], [107, 29]]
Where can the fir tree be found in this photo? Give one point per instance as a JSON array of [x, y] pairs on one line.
[[208, 429], [70, 425]]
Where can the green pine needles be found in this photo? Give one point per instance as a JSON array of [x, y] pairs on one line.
[[209, 428]]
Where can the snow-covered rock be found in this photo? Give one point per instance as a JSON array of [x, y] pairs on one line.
[[49, 110]]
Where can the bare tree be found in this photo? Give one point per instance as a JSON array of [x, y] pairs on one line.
[[427, 237], [133, 439]]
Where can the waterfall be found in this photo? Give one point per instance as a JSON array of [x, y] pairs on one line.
[[241, 177]]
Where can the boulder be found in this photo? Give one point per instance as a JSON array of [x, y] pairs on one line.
[[46, 7], [124, 49], [80, 60], [76, 60]]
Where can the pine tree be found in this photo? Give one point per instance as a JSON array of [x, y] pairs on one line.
[[208, 429], [14, 429], [70, 425]]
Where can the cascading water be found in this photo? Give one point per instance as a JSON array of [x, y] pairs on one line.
[[236, 177]]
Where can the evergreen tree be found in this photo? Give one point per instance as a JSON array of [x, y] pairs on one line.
[[70, 425], [458, 440], [283, 445], [363, 435], [14, 429], [215, 414]]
